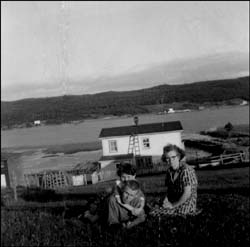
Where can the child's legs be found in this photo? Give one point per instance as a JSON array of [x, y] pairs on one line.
[[117, 214], [138, 219]]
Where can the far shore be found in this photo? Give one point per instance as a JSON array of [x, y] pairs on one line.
[[157, 110]]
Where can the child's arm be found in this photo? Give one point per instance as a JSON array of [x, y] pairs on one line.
[[137, 211], [127, 206], [118, 199]]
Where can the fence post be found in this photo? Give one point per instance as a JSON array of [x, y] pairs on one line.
[[26, 179], [221, 159], [84, 179], [14, 185], [45, 180], [241, 157]]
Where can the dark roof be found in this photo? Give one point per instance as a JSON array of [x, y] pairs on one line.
[[117, 157], [141, 129], [87, 168]]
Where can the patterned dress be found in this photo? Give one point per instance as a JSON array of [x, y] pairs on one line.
[[175, 182]]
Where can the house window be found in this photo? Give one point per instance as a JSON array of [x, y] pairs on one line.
[[145, 142], [113, 146]]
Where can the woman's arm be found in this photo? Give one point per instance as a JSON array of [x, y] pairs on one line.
[[186, 194]]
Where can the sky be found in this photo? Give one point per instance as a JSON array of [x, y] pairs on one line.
[[79, 47]]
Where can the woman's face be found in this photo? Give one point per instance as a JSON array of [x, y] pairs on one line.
[[173, 159]]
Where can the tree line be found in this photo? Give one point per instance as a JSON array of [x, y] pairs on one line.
[[77, 107]]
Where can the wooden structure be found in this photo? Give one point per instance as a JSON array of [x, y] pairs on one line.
[[5, 178], [62, 179], [226, 159], [134, 147], [47, 179], [82, 174]]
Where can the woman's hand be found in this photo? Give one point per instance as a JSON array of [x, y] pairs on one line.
[[167, 203]]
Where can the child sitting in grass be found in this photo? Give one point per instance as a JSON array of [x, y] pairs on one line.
[[120, 209], [91, 214], [101, 211], [127, 172]]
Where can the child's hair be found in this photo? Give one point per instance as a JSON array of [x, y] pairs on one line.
[[132, 184], [125, 168]]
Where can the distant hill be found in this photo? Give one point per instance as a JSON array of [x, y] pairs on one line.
[[69, 107]]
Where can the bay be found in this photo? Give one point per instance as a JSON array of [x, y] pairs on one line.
[[89, 130]]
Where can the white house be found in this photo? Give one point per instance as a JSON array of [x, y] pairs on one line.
[[171, 110], [244, 102], [37, 122], [141, 144]]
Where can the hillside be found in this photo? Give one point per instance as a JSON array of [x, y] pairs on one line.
[[70, 107]]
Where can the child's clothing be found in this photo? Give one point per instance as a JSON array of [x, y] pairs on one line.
[[117, 191], [117, 213]]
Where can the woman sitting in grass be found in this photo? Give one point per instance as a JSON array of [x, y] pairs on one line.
[[181, 183]]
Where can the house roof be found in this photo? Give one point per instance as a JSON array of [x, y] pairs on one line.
[[117, 157], [141, 129], [87, 168]]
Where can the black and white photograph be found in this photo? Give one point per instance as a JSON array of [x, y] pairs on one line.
[[125, 123]]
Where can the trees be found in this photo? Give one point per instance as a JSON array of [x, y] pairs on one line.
[[228, 127]]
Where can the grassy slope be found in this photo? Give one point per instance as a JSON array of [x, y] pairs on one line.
[[224, 220]]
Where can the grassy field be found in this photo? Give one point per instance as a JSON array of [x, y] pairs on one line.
[[223, 196], [49, 218], [74, 148]]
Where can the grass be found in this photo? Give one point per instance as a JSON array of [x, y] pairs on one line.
[[242, 128], [73, 148], [68, 148], [223, 222], [222, 195]]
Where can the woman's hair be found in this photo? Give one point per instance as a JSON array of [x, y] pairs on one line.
[[172, 147], [126, 168]]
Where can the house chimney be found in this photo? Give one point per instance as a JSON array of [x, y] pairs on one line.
[[136, 120]]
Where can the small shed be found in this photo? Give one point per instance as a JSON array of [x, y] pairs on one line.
[[171, 110], [86, 173], [37, 122]]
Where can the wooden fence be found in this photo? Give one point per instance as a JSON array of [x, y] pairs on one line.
[[154, 170], [61, 179], [226, 159], [47, 180], [221, 160]]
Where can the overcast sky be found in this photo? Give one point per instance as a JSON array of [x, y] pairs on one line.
[[48, 47]]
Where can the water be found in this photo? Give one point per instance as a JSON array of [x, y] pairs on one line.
[[89, 130]]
